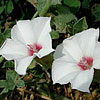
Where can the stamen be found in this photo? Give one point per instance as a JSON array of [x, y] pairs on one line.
[[85, 63], [38, 46], [34, 48], [30, 50]]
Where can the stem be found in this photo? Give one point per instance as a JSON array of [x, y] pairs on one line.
[[46, 7], [44, 11], [42, 64], [47, 73], [35, 15]]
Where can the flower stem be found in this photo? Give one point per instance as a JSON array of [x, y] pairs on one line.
[[35, 15], [44, 11], [43, 66], [46, 7]]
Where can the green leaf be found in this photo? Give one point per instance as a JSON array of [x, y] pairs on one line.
[[9, 7], [43, 6], [1, 9], [80, 25], [62, 10], [3, 83], [46, 61], [96, 12], [20, 83], [2, 39], [32, 65], [55, 2], [62, 20], [74, 4], [5, 90], [40, 6], [6, 33], [85, 4], [97, 76], [1, 59], [8, 64], [54, 34], [11, 77]]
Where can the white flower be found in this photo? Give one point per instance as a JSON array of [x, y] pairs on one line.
[[76, 58], [29, 38]]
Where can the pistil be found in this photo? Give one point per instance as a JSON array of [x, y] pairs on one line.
[[85, 63], [34, 48]]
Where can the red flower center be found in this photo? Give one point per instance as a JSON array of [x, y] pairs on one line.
[[34, 48], [86, 63]]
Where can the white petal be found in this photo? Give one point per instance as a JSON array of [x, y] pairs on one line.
[[87, 40], [64, 70], [21, 64], [71, 46], [41, 27], [26, 31], [58, 52], [83, 80], [16, 34], [96, 56], [46, 46], [12, 49]]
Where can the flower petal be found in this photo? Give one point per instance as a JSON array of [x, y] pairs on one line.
[[46, 46], [41, 27], [83, 80], [23, 31], [64, 70], [71, 46], [96, 56], [21, 64], [87, 40], [58, 52], [12, 49], [16, 34]]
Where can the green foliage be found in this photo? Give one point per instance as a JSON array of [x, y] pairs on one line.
[[85, 4], [40, 6], [80, 25], [10, 82], [55, 2], [97, 76], [20, 83], [9, 7], [8, 64], [54, 34], [96, 12], [1, 9], [73, 4], [2, 39], [1, 59], [62, 20], [7, 33], [43, 6]]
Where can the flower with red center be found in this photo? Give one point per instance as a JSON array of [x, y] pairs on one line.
[[76, 58], [34, 48], [29, 38]]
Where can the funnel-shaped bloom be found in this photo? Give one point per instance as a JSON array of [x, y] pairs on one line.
[[29, 38], [76, 58]]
